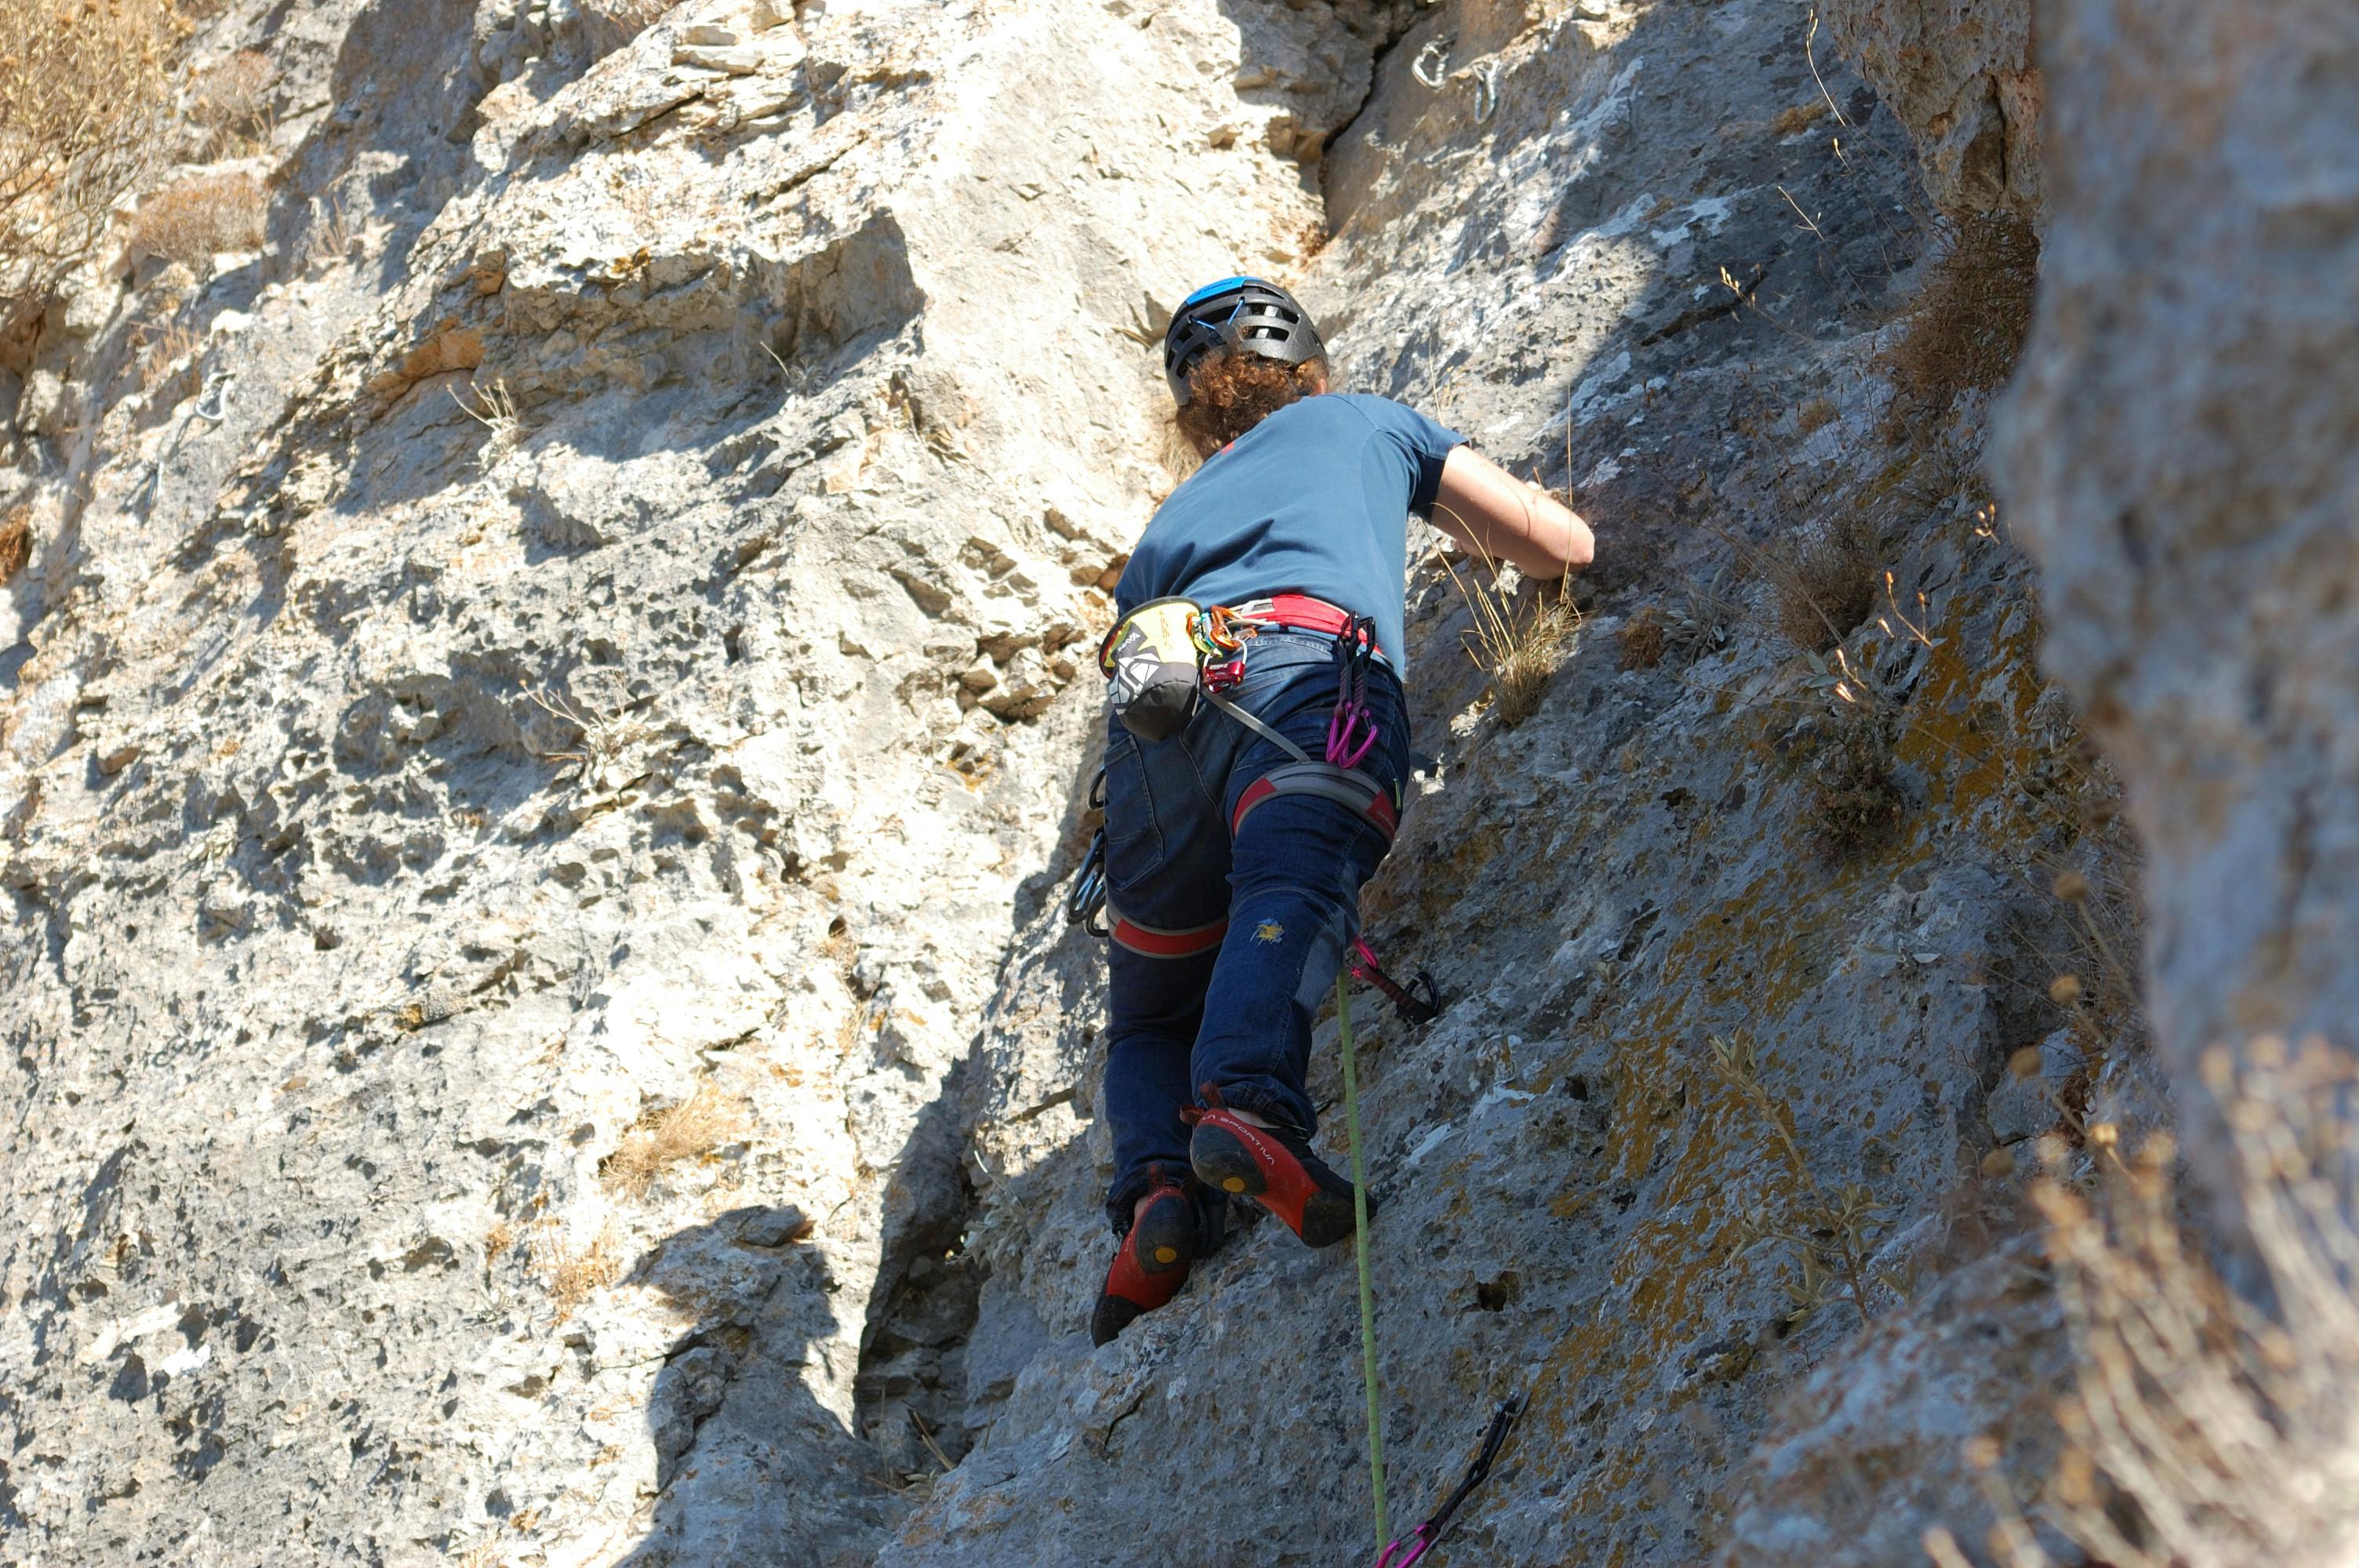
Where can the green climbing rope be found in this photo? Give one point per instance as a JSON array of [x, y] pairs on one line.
[[1360, 1246]]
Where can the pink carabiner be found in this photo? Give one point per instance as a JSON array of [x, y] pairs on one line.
[[1418, 1542], [1345, 747]]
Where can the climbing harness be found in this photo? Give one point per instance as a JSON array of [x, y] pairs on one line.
[[1166, 655], [1421, 1539], [1360, 1249], [1158, 666]]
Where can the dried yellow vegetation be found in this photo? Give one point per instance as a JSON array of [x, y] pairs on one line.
[[694, 1128], [573, 1270], [1518, 644], [82, 90], [232, 97], [2202, 1427], [1967, 326], [197, 217], [15, 542]]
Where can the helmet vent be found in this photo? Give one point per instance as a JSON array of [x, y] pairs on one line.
[[1241, 314]]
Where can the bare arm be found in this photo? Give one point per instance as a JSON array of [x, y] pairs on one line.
[[1504, 518]]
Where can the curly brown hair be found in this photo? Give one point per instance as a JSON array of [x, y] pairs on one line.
[[1230, 393]]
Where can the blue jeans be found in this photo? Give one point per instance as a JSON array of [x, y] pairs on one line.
[[1251, 932]]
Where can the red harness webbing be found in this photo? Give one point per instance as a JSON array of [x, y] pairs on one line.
[[1345, 786], [1161, 942]]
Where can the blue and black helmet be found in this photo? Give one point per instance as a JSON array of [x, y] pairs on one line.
[[1242, 315]]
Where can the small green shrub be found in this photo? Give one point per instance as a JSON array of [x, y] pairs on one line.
[[1856, 801]]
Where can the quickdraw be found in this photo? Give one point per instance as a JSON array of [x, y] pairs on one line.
[[1421, 1539], [1350, 731], [1086, 899], [1219, 632], [1418, 1002]]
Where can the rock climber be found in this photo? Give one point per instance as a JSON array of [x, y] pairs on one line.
[[1237, 843]]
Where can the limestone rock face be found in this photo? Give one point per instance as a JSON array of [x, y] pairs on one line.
[[1961, 75], [2183, 452], [543, 728], [501, 690]]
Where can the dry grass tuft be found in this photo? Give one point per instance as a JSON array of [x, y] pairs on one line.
[[15, 542], [199, 217], [162, 354], [2096, 982], [84, 92], [494, 409], [2203, 1430], [574, 1271], [1967, 326], [601, 757], [1824, 581], [1831, 1234], [694, 1128], [1643, 639], [1517, 644], [231, 98], [329, 237], [1815, 414]]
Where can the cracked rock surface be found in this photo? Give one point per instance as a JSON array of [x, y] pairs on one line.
[[541, 744]]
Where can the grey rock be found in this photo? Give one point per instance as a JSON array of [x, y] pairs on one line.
[[2180, 456], [713, 734], [773, 1227], [2020, 1107], [1962, 81]]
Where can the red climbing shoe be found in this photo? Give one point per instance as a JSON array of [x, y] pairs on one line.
[[1152, 1262], [1274, 1167]]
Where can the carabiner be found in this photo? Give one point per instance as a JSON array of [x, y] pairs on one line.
[[1087, 896], [1347, 746], [1421, 1541]]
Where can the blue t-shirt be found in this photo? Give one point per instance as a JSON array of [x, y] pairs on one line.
[[1315, 499]]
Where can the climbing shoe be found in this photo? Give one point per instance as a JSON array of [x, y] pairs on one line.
[[1152, 1262], [1273, 1166]]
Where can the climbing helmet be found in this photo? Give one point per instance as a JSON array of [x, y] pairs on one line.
[[1243, 315]]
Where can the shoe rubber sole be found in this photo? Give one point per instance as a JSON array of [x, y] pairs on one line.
[[1162, 1243], [1165, 1236], [1222, 1157]]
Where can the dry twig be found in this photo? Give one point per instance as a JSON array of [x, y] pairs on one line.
[[83, 94]]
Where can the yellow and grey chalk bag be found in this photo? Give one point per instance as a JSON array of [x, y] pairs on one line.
[[1154, 667]]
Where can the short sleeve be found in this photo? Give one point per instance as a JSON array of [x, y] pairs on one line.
[[1425, 442]]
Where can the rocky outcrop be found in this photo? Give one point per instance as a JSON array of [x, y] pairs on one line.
[[1659, 955], [564, 644], [1964, 78], [545, 721], [2183, 452]]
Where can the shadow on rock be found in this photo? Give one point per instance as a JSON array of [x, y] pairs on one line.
[[751, 1467]]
